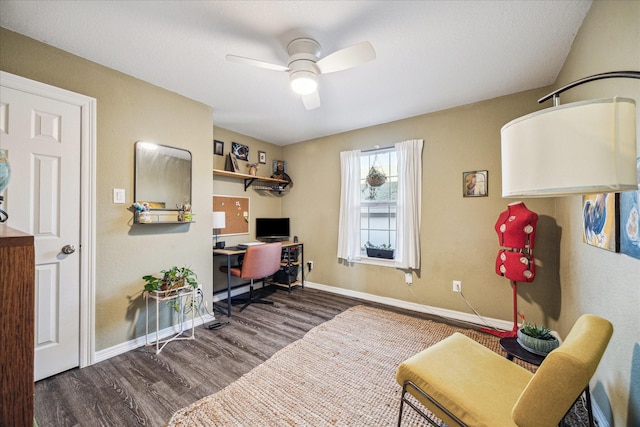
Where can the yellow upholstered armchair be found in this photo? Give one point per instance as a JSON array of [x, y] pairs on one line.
[[464, 383]]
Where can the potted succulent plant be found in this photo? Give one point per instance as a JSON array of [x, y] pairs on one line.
[[172, 279], [379, 251], [537, 339]]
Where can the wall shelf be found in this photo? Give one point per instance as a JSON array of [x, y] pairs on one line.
[[159, 216], [249, 179]]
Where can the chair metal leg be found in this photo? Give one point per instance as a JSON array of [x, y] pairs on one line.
[[589, 408], [404, 390], [253, 300], [563, 422], [404, 400]]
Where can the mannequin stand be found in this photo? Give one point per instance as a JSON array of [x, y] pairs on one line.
[[513, 332]]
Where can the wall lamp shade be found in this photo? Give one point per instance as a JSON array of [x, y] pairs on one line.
[[219, 220], [579, 148]]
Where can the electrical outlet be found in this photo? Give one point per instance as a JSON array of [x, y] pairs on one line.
[[457, 286], [408, 278], [310, 265]]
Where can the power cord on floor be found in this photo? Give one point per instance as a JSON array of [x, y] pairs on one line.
[[484, 321], [476, 312], [216, 324]]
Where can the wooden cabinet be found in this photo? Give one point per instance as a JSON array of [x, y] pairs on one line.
[[17, 272]]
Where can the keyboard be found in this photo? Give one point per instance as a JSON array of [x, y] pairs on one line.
[[248, 244]]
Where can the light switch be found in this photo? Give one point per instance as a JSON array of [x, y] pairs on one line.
[[118, 195]]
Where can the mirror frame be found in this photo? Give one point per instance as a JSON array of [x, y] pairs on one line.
[[137, 158]]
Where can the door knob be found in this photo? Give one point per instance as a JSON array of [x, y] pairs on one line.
[[68, 249]]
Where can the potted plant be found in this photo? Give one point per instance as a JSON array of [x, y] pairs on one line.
[[379, 251], [253, 168], [537, 339], [376, 177], [172, 279]]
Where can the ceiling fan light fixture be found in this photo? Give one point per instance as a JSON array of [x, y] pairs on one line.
[[304, 82]]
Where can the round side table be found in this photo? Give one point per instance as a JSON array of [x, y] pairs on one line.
[[513, 349]]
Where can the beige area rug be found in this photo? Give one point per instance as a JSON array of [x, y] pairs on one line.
[[341, 373]]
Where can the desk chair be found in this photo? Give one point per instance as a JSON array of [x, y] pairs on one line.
[[259, 262], [466, 384]]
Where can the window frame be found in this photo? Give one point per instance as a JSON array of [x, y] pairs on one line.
[[391, 171]]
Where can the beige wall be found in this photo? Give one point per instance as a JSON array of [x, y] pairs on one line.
[[261, 206], [458, 237], [128, 110], [594, 280]]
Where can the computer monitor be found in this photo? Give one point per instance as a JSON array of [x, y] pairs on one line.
[[272, 229]]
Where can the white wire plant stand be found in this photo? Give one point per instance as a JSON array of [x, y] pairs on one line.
[[186, 299]]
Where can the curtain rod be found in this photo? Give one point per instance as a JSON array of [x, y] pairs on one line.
[[377, 148]]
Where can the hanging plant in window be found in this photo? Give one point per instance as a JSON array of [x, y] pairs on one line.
[[375, 178]]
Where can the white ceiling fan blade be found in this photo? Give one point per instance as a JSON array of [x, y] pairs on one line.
[[311, 101], [256, 63], [347, 58]]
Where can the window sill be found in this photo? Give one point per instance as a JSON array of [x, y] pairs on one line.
[[377, 261]]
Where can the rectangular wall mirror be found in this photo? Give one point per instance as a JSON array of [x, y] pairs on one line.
[[162, 176]]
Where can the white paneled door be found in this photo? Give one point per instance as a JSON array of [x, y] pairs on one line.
[[42, 137]]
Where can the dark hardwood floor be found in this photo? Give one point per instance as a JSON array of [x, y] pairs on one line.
[[142, 388]]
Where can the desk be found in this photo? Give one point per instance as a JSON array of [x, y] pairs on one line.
[[234, 250], [513, 349]]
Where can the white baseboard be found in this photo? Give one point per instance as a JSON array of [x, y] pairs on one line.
[[442, 312], [110, 352]]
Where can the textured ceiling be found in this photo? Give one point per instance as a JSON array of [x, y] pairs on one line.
[[431, 55]]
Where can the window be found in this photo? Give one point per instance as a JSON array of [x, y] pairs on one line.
[[388, 214], [378, 204]]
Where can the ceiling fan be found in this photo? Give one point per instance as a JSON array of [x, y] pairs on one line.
[[305, 65]]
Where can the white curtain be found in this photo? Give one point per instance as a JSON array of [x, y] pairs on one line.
[[409, 209], [349, 225]]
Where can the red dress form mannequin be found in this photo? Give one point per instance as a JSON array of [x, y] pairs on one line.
[[516, 228]]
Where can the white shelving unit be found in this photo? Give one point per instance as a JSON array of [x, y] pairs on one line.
[[183, 293]]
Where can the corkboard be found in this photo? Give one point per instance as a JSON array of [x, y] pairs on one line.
[[236, 211]]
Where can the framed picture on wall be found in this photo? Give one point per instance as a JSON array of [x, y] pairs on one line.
[[600, 225], [231, 164], [262, 157], [475, 184], [240, 151], [630, 220], [279, 167], [218, 147]]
